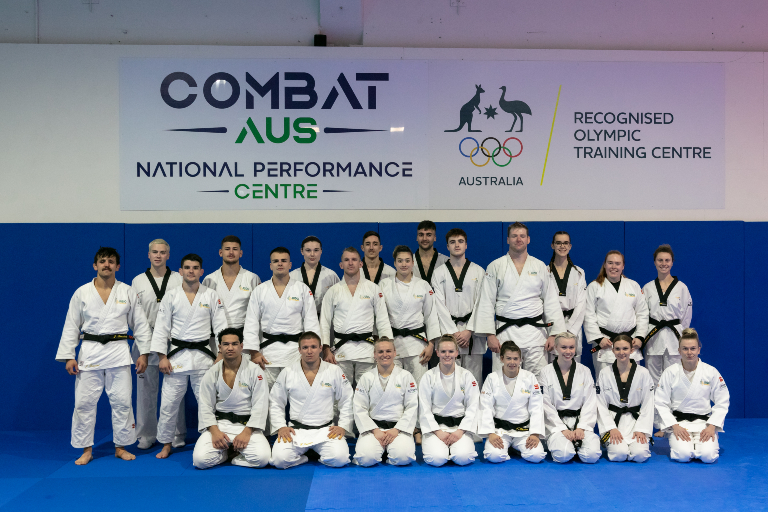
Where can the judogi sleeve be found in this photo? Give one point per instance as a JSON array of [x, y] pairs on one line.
[[252, 326], [605, 420], [687, 302], [552, 420], [485, 425], [206, 410], [721, 398], [383, 327], [591, 327], [426, 417], [536, 410], [663, 399], [70, 335], [471, 403], [552, 311], [326, 319], [577, 318], [162, 332], [361, 405], [641, 315], [259, 399], [588, 416], [343, 394], [484, 316], [278, 398], [309, 320], [644, 422], [447, 325], [429, 310], [137, 321], [407, 421], [218, 321]]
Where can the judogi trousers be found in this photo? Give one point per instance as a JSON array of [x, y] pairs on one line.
[[333, 453], [147, 386], [473, 363], [657, 364], [683, 451], [255, 455], [628, 449], [174, 389], [493, 454], [88, 387], [562, 449], [400, 452], [437, 453], [354, 370], [412, 364]]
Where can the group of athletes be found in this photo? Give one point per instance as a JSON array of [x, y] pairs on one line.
[[351, 357]]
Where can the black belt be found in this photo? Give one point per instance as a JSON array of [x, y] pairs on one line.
[[278, 338], [296, 424], [234, 418], [448, 421], [352, 336], [384, 424], [611, 336], [688, 416], [105, 338], [416, 333], [506, 425], [202, 346], [519, 322], [634, 411], [572, 413], [661, 324], [464, 318]]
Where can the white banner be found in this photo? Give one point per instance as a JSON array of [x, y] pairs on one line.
[[405, 134]]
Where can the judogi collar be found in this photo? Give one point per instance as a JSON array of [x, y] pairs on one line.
[[457, 283], [427, 276], [565, 387], [624, 387], [378, 274], [562, 284], [313, 284], [664, 296], [160, 293]]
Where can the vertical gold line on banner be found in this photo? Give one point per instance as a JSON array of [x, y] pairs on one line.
[[550, 135]]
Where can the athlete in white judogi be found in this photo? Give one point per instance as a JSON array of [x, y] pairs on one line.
[[310, 386], [615, 305], [151, 287], [427, 258], [386, 406], [625, 406], [374, 267], [232, 283], [691, 403], [449, 398], [457, 285], [512, 410], [413, 314], [670, 309], [353, 308], [518, 302], [187, 316], [571, 285], [570, 405], [103, 311], [312, 273], [278, 312], [233, 407]]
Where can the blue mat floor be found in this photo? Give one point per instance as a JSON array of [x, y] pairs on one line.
[[37, 473]]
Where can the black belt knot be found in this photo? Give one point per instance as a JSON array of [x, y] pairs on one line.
[[296, 424], [689, 416], [568, 313], [465, 318], [352, 336], [634, 411], [572, 413], [232, 417], [278, 338], [507, 425], [448, 421], [105, 338], [519, 322], [202, 346], [416, 333], [658, 325], [384, 424]]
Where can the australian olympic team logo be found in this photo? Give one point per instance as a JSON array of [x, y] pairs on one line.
[[490, 155]]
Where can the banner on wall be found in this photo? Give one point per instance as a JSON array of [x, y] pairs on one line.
[[252, 134]]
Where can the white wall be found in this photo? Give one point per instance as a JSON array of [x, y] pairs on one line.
[[59, 102]]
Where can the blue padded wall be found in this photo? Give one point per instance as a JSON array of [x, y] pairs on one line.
[[755, 317], [716, 286], [43, 282]]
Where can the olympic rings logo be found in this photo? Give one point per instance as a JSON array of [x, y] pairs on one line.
[[490, 155]]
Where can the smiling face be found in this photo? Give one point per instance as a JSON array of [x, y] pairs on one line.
[[447, 352], [566, 348], [311, 252], [511, 362], [425, 238], [518, 240], [403, 263], [622, 350], [562, 245], [230, 253], [384, 353], [372, 247], [663, 263], [158, 255], [614, 267], [457, 246]]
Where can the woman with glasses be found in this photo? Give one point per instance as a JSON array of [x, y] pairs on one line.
[[571, 284]]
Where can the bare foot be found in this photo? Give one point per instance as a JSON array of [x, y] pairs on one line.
[[660, 433], [417, 437], [122, 453], [85, 458], [165, 452]]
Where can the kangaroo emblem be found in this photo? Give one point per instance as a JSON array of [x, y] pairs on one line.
[[468, 110]]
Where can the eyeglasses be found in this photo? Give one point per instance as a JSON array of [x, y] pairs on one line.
[[562, 244]]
